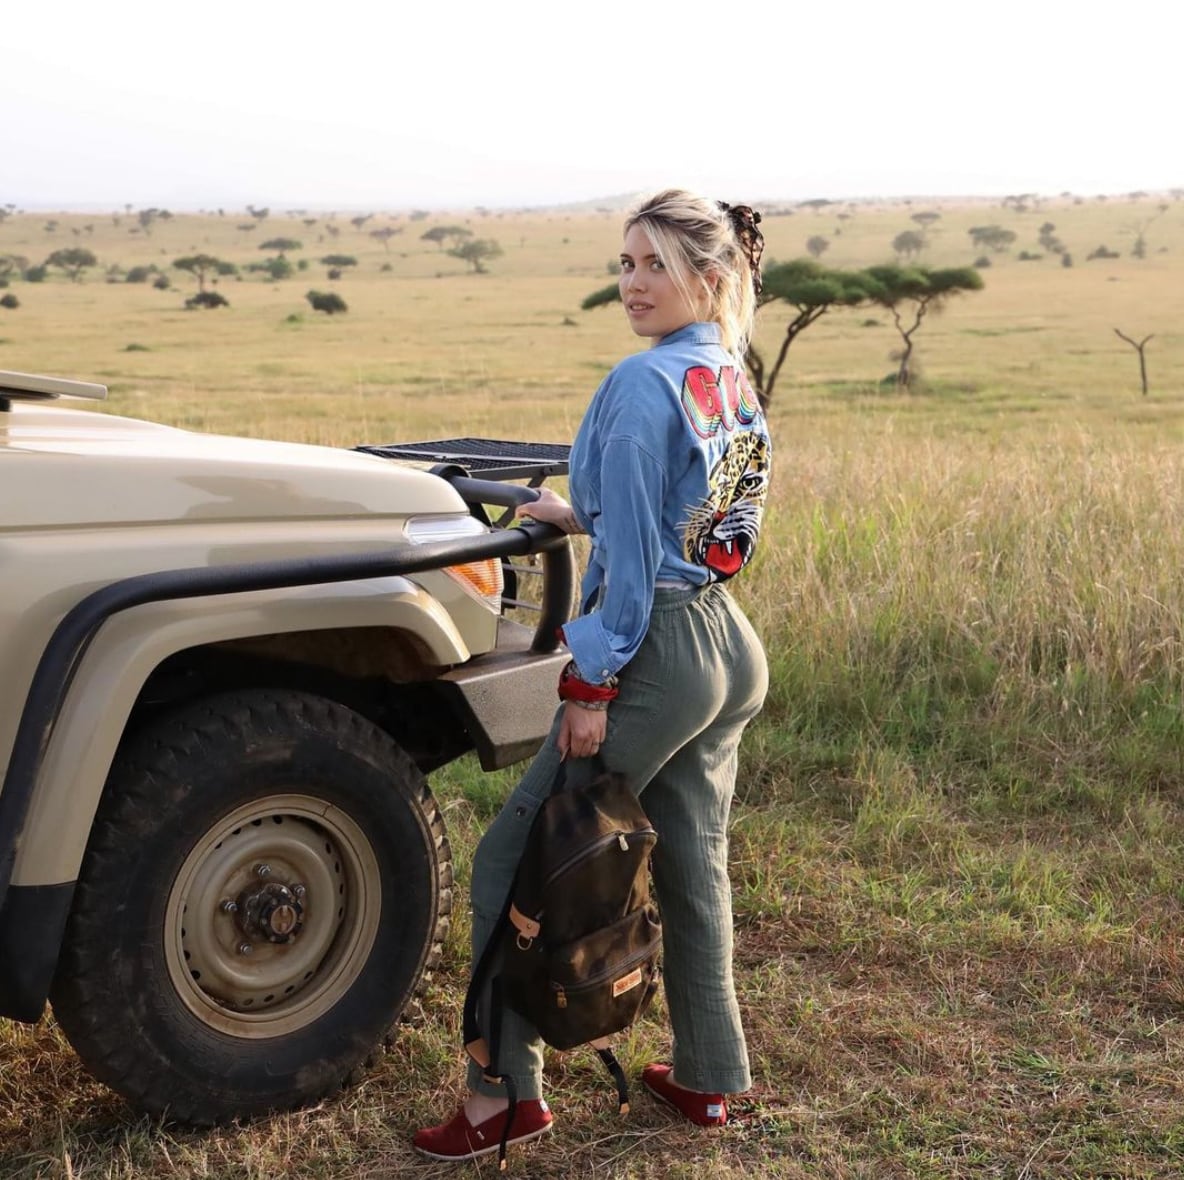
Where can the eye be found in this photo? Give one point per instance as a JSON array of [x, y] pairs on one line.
[[626, 264], [657, 264]]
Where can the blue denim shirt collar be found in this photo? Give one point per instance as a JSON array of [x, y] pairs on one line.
[[696, 333]]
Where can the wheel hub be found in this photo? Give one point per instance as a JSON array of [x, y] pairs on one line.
[[273, 912]]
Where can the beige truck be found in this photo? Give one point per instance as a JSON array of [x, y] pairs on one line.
[[228, 666]]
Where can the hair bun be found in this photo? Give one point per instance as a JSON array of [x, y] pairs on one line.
[[745, 219]]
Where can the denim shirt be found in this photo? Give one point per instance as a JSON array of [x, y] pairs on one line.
[[669, 474]]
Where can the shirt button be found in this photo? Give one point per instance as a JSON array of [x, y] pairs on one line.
[[604, 673]]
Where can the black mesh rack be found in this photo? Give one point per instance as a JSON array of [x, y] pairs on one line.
[[485, 458]]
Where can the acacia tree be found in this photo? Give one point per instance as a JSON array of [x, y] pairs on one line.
[[910, 293], [476, 252], [908, 244], [281, 245], [994, 237], [202, 265], [817, 245], [73, 260], [808, 287], [811, 290], [11, 264], [385, 234], [337, 263]]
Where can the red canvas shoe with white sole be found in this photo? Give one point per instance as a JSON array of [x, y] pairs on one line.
[[459, 1140], [705, 1110]]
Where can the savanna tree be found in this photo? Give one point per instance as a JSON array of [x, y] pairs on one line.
[[910, 293], [385, 234], [476, 252], [808, 287], [360, 220], [925, 219], [908, 244], [11, 265], [201, 265], [73, 260], [811, 290], [281, 245], [337, 263], [993, 237], [817, 245]]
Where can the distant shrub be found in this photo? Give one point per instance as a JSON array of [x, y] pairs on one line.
[[1066, 259], [139, 274], [294, 318], [10, 301], [302, 264], [1101, 252], [161, 282], [136, 348], [3, 284], [1028, 256], [982, 262], [206, 299], [335, 272], [327, 301], [870, 323], [387, 266], [36, 274]]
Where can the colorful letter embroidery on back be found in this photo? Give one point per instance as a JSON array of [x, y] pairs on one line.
[[711, 401]]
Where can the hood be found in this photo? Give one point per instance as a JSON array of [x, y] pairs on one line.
[[61, 467]]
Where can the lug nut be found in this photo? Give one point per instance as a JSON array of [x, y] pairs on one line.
[[263, 870], [228, 906], [299, 890], [245, 948]]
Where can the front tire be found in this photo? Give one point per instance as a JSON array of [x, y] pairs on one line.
[[267, 880]]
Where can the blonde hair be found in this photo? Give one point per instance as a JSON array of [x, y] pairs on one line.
[[696, 240]]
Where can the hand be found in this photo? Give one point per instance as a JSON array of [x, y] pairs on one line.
[[581, 732], [551, 508]]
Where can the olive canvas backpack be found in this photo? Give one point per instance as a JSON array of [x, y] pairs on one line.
[[576, 948]]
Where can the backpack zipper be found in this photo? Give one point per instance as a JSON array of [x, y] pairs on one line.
[[619, 837], [600, 977]]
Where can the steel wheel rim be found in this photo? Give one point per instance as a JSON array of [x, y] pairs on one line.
[[275, 988]]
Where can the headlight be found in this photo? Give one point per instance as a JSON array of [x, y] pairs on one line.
[[483, 579]]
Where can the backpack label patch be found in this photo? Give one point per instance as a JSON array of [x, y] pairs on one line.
[[627, 982]]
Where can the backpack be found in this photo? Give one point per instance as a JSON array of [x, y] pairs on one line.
[[576, 948]]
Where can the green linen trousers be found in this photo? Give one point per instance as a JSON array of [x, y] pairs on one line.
[[697, 679]]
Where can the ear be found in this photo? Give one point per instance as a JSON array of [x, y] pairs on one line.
[[711, 278]]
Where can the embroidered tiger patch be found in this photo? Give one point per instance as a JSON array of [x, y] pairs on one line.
[[721, 532]]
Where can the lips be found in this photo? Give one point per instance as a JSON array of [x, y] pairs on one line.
[[635, 308]]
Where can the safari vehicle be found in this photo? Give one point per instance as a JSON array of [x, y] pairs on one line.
[[228, 665]]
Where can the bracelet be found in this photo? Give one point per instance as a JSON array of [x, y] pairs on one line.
[[572, 688], [591, 706]]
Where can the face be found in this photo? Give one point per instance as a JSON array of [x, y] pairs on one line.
[[653, 302]]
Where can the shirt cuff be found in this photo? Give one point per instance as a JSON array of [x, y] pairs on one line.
[[588, 642]]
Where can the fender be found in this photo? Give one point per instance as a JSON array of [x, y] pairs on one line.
[[129, 648]]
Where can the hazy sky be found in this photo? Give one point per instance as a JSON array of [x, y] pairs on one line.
[[350, 105]]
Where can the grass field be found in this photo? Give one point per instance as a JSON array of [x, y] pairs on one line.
[[957, 850]]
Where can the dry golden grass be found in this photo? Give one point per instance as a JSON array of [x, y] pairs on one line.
[[957, 848]]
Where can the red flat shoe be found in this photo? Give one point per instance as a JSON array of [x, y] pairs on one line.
[[705, 1110], [459, 1140]]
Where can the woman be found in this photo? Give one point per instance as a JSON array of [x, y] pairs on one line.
[[669, 473]]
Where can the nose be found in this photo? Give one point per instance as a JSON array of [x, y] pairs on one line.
[[635, 280]]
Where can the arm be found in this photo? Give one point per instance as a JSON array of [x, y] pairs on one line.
[[627, 538]]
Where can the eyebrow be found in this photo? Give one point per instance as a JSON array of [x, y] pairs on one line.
[[644, 257]]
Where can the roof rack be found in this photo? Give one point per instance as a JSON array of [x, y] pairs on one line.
[[484, 458]]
